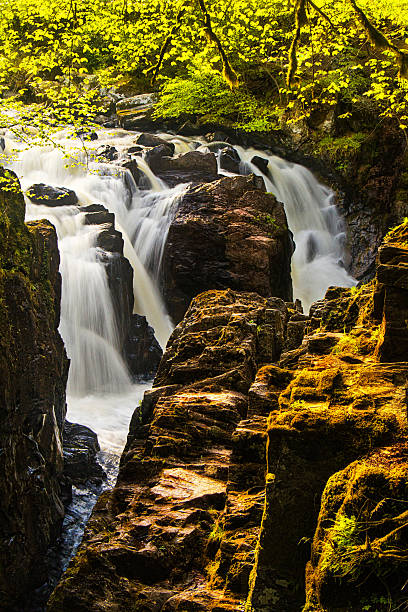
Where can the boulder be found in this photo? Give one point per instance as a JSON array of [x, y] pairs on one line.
[[107, 152], [80, 448], [151, 140], [51, 196], [226, 234], [136, 150], [230, 160], [135, 113], [193, 166], [157, 157], [261, 163], [131, 165], [141, 349]]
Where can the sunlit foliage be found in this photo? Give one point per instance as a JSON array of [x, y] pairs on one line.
[[47, 48]]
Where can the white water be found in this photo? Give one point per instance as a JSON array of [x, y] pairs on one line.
[[318, 230], [100, 393]]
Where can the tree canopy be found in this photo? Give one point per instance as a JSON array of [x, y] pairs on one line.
[[283, 60]]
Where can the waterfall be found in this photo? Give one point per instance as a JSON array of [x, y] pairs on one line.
[[318, 230], [99, 392], [88, 324]]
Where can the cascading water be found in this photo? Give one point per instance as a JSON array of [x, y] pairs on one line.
[[317, 228], [88, 323]]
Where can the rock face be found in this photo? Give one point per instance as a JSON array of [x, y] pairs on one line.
[[185, 514], [362, 535], [344, 411], [392, 294], [33, 373], [194, 524], [226, 234]]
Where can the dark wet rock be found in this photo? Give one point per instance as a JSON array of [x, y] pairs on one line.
[[151, 140], [157, 157], [97, 214], [118, 269], [107, 152], [33, 374], [193, 166], [90, 136], [131, 165], [110, 240], [136, 150], [80, 448], [216, 231], [51, 196], [230, 160], [120, 280], [141, 349], [192, 161], [261, 163]]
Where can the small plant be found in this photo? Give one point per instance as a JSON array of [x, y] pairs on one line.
[[338, 553], [341, 150], [217, 534]]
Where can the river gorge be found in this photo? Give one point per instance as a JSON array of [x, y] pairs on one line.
[[219, 392]]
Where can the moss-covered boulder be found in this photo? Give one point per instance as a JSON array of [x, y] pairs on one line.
[[360, 549]]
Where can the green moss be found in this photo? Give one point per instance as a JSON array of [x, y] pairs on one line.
[[341, 150]]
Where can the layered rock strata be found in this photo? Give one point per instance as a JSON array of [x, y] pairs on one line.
[[157, 541], [33, 374], [199, 521]]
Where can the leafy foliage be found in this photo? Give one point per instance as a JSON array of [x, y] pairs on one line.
[[49, 49]]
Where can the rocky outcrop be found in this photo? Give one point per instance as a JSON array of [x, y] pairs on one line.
[[51, 196], [345, 399], [362, 536], [193, 524], [226, 234], [33, 373], [186, 511], [143, 352]]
